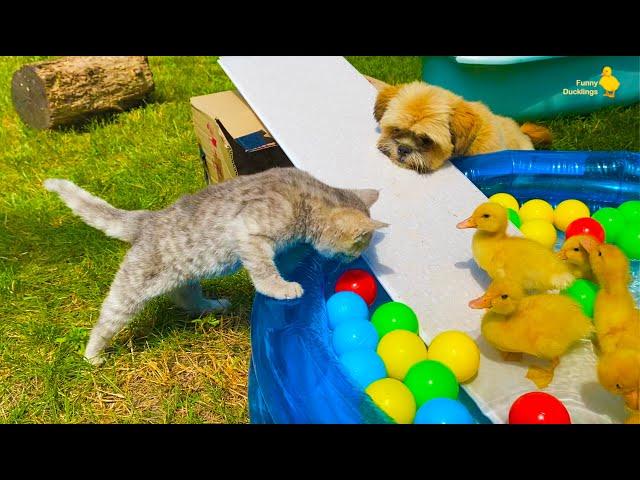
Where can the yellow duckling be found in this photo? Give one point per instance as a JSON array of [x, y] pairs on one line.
[[576, 257], [544, 326], [521, 260], [617, 322], [609, 82]]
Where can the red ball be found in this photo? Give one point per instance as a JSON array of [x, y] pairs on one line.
[[538, 408], [360, 282], [585, 226]]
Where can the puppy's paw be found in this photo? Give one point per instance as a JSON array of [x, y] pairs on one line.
[[284, 291]]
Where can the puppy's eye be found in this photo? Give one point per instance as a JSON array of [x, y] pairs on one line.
[[395, 130], [576, 249], [424, 140], [504, 296], [486, 215]]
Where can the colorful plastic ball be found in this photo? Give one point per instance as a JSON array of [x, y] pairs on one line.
[[400, 350], [360, 282], [585, 226], [346, 307], [584, 292], [536, 209], [354, 335], [514, 217], [363, 366], [630, 210], [431, 379], [568, 211], [443, 411], [394, 398], [394, 316], [612, 222], [538, 408], [540, 231], [629, 241], [506, 200], [458, 351]]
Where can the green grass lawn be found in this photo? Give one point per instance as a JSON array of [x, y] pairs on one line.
[[55, 270]]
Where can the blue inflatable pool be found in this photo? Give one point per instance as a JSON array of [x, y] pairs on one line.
[[295, 376]]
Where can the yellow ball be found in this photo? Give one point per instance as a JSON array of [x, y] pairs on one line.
[[568, 211], [394, 398], [506, 200], [541, 231], [400, 350], [536, 210], [458, 351]]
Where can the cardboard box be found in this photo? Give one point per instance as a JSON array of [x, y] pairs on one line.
[[232, 139]]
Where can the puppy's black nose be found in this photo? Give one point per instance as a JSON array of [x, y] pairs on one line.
[[403, 150]]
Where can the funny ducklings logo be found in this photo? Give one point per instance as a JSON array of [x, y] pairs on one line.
[[589, 87]]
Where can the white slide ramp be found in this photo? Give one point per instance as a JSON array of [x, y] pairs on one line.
[[320, 111]]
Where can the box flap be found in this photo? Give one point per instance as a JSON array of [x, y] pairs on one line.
[[238, 117]]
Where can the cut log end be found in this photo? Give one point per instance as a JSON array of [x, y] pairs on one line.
[[29, 97]]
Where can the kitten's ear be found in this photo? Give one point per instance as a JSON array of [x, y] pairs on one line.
[[376, 225], [463, 125], [382, 102], [367, 195]]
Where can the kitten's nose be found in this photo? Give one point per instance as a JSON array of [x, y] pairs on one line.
[[403, 150]]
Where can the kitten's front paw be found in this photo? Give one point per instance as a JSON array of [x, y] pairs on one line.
[[95, 360], [284, 291], [213, 306]]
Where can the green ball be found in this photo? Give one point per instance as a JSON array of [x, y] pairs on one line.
[[630, 210], [514, 217], [612, 221], [394, 316], [431, 379], [629, 241], [584, 292]]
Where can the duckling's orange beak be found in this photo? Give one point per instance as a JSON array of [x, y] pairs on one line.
[[631, 400], [481, 302], [468, 223]]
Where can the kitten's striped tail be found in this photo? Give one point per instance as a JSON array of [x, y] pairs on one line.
[[120, 224]]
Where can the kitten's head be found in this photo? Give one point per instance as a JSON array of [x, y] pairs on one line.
[[346, 231]]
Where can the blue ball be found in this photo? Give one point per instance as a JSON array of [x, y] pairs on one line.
[[345, 307], [443, 411], [353, 336], [363, 366]]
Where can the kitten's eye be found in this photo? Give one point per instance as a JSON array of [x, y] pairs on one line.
[[576, 249], [504, 296], [486, 215]]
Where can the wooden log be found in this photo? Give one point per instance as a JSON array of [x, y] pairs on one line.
[[71, 90]]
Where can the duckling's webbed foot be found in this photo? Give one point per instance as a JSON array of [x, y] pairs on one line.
[[511, 356], [541, 376]]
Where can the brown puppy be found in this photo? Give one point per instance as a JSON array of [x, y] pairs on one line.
[[422, 126]]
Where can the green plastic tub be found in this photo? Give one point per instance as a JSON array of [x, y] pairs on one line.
[[529, 88]]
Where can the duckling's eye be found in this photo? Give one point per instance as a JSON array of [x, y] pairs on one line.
[[599, 254], [486, 215], [504, 296], [576, 249], [618, 386]]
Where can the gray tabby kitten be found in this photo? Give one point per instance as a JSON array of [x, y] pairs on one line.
[[242, 221]]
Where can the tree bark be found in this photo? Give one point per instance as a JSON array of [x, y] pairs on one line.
[[71, 90]]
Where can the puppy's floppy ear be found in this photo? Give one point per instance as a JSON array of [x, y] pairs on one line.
[[368, 195], [384, 97], [464, 124]]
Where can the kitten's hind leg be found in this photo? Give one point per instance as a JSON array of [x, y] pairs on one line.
[[257, 257], [190, 298], [139, 279]]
